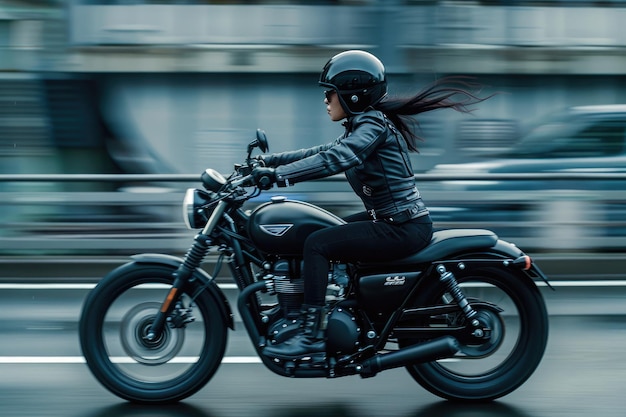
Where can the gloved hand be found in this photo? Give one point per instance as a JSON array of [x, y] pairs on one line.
[[259, 160], [264, 177]]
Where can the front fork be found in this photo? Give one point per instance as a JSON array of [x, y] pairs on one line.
[[182, 275]]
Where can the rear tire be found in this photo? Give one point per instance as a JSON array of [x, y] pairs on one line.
[[509, 364], [117, 313]]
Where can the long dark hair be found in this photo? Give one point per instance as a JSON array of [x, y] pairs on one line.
[[452, 92]]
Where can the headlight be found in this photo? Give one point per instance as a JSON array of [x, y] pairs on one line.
[[194, 214]]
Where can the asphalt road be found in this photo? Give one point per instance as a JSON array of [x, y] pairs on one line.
[[42, 373]]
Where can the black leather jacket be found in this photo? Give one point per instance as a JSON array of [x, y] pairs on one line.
[[376, 162]]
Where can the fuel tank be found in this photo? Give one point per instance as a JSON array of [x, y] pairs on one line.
[[281, 225]]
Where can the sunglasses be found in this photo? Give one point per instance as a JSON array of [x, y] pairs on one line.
[[329, 94]]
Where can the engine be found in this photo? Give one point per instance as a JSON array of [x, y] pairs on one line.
[[289, 288], [343, 332]]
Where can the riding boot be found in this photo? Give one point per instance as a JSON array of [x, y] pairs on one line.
[[306, 342]]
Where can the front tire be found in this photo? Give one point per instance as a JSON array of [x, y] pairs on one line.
[[115, 317], [509, 360]]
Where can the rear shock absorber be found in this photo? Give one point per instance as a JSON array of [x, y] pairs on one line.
[[448, 279]]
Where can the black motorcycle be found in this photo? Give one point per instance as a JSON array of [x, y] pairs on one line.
[[463, 315]]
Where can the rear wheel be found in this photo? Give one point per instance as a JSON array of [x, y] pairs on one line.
[[491, 368], [116, 318]]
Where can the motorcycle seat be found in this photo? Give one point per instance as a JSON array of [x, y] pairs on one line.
[[444, 243]]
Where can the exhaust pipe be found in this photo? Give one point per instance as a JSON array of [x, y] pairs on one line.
[[443, 347]]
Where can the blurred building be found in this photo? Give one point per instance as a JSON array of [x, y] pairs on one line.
[[174, 86]]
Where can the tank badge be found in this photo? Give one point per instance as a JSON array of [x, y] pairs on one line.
[[276, 229], [397, 280]]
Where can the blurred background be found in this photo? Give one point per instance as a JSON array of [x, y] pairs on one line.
[[110, 109], [173, 87]]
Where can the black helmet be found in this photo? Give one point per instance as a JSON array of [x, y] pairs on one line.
[[359, 79]]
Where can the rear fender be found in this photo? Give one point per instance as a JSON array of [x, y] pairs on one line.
[[518, 261], [207, 281], [529, 267]]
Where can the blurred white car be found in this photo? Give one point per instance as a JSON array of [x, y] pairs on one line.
[[548, 212], [586, 139]]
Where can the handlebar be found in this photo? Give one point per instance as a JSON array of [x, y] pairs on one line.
[[243, 181], [242, 177]]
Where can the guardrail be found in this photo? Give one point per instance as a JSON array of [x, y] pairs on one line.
[[119, 214], [573, 176]]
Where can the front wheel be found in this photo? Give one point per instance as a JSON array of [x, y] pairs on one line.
[[519, 333], [116, 318]]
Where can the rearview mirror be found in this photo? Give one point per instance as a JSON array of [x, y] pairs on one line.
[[260, 142]]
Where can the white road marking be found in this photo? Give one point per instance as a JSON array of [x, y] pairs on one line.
[[29, 360], [82, 286], [574, 283], [121, 359]]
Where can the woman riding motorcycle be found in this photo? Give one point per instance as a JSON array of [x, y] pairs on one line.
[[374, 154]]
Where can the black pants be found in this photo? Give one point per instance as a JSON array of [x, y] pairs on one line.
[[358, 240]]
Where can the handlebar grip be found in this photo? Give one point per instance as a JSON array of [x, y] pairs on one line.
[[265, 182]]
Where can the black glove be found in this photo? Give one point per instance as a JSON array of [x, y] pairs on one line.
[[264, 177], [259, 160]]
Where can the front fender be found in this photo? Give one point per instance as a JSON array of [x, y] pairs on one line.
[[199, 274]]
